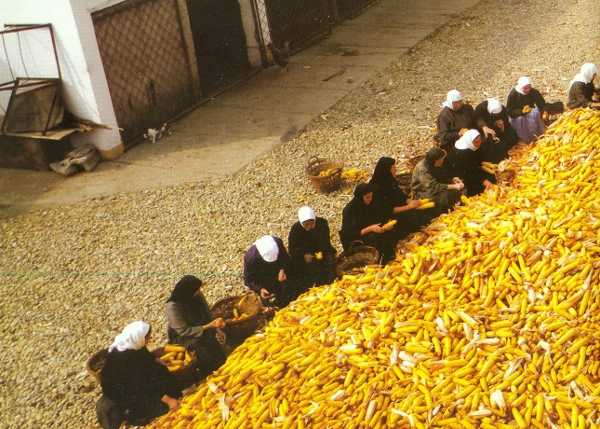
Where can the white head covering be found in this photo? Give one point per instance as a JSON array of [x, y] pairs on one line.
[[523, 82], [306, 213], [493, 106], [587, 72], [451, 97], [467, 139], [267, 247], [133, 337]]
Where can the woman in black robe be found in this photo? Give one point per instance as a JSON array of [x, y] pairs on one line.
[[582, 90], [499, 134], [392, 203], [360, 221], [191, 324], [464, 162], [455, 118], [313, 256], [135, 386], [431, 181]]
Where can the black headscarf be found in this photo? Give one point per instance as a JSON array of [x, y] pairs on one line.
[[184, 290], [433, 155], [361, 190], [382, 175]]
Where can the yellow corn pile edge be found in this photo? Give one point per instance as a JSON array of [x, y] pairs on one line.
[[488, 319]]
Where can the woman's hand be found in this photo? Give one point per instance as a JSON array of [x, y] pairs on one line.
[[265, 294], [500, 124], [281, 276], [221, 335], [308, 258], [376, 228], [488, 131], [171, 402], [413, 204], [462, 131], [217, 323], [489, 185], [457, 186]]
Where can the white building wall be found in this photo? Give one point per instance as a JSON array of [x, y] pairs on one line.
[[86, 91]]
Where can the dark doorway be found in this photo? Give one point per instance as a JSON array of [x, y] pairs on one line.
[[220, 42]]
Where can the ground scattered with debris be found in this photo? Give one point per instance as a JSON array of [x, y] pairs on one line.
[[72, 277]]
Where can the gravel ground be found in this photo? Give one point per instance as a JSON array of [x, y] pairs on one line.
[[74, 276]]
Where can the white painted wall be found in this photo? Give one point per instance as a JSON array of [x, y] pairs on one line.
[[86, 91]]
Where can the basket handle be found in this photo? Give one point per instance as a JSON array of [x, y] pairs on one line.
[[356, 243], [313, 160]]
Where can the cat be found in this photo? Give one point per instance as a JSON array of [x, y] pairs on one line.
[[153, 134]]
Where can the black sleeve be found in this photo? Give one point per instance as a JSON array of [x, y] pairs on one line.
[[295, 243], [577, 97], [444, 126], [513, 104], [538, 98], [351, 229], [481, 115], [324, 236], [284, 257]]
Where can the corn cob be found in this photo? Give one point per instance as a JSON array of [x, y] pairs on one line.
[[504, 337]]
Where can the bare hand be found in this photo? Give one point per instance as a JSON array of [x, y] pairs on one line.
[[413, 204], [281, 277], [376, 228], [221, 335], [456, 180], [459, 186], [489, 185], [308, 258], [500, 124], [462, 131], [265, 294], [487, 131], [173, 404]]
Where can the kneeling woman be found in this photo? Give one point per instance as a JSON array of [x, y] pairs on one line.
[[360, 222], [135, 386], [464, 161], [392, 203], [525, 108], [191, 324], [430, 181]]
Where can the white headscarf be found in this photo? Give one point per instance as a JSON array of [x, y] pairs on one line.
[[133, 337], [306, 213], [451, 97], [523, 82], [493, 106], [467, 139], [267, 247], [587, 72]]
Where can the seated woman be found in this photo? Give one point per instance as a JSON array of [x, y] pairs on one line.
[[464, 162], [525, 106], [311, 252], [265, 266], [360, 221], [135, 386], [429, 180], [500, 136], [582, 90], [191, 324], [392, 203], [454, 119]]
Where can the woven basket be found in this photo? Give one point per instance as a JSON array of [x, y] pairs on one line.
[[412, 163], [356, 258], [239, 328], [404, 181], [188, 373], [324, 183], [96, 363]]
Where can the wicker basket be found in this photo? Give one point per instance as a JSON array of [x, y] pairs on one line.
[[96, 363], [412, 163], [328, 182], [240, 328], [356, 258], [187, 374], [404, 181]]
